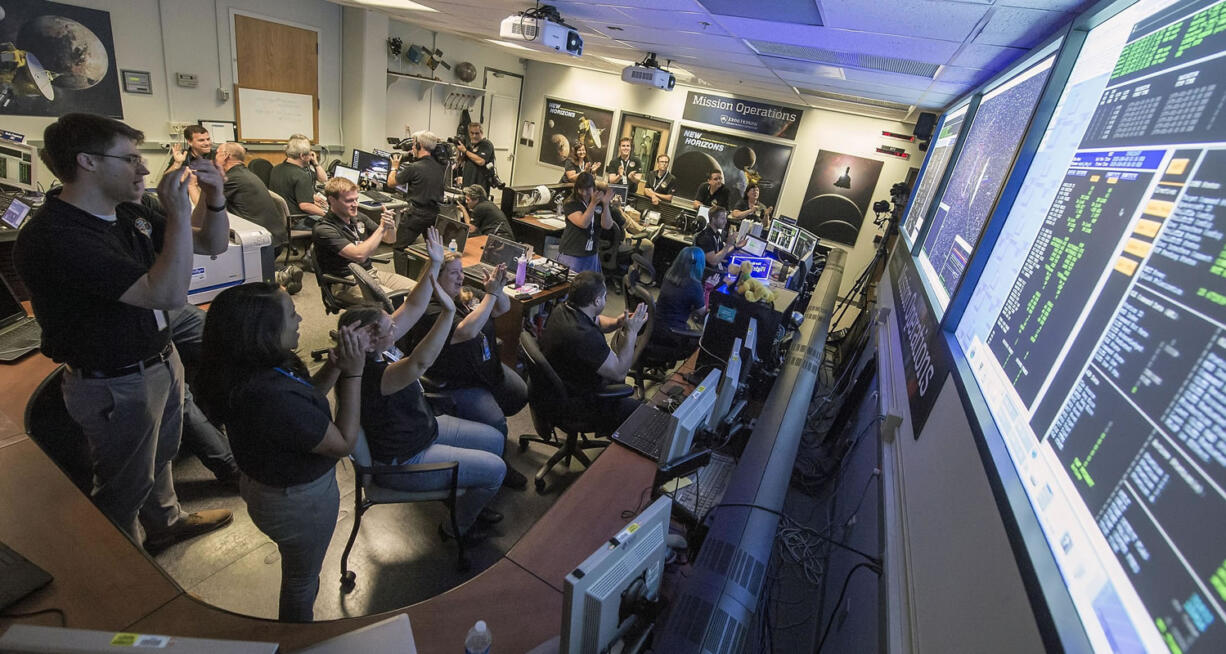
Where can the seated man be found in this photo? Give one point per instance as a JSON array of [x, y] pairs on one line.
[[345, 235], [713, 240], [713, 193], [294, 179], [247, 196], [484, 217], [574, 344]]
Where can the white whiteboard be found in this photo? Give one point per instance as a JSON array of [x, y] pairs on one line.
[[274, 115]]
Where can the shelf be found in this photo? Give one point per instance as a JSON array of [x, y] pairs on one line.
[[427, 80]]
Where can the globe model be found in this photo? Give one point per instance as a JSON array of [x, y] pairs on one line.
[[465, 71], [68, 50]]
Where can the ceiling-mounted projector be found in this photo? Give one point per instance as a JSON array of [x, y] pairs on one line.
[[639, 74], [542, 28]]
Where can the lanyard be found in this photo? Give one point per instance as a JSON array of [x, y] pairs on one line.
[[659, 180], [292, 376]]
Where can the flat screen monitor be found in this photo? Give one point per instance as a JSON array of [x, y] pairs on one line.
[[939, 153], [345, 172], [451, 229], [620, 190], [759, 267], [599, 596], [16, 213], [727, 387], [19, 166], [983, 165], [371, 166], [805, 242], [691, 416], [782, 235], [1097, 339], [754, 246], [500, 250]]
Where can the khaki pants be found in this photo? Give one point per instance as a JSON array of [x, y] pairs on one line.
[[390, 281]]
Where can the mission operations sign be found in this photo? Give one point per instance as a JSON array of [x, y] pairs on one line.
[[749, 115]]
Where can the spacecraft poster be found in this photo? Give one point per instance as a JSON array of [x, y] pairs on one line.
[[840, 194], [750, 115], [565, 122], [699, 152], [56, 59]]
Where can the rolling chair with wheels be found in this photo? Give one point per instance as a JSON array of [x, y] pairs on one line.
[[607, 251], [367, 492], [373, 293], [656, 353], [547, 397], [332, 303], [297, 229]]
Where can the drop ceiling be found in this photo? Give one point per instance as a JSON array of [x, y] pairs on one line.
[[899, 55]]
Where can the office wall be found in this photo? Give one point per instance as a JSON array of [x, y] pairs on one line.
[[819, 130], [166, 37]]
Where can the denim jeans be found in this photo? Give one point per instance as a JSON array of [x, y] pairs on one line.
[[580, 264], [478, 449], [300, 520], [491, 406]]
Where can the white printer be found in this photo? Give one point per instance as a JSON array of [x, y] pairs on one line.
[[248, 258]]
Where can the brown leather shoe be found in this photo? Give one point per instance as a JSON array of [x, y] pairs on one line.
[[195, 524]]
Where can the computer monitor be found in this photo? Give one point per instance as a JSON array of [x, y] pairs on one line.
[[805, 242], [759, 267], [600, 597], [754, 246], [19, 166], [727, 387], [16, 213], [622, 191], [751, 339], [371, 166], [345, 172], [691, 416], [500, 250], [782, 235], [449, 229]]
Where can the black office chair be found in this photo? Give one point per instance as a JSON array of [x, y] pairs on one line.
[[607, 250], [547, 397], [297, 229], [332, 303], [656, 354], [373, 293], [642, 270], [261, 167], [57, 434]]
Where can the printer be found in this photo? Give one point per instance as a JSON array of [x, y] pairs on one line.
[[248, 258]]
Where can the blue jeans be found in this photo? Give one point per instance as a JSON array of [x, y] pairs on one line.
[[300, 520], [478, 449], [491, 406], [580, 264]]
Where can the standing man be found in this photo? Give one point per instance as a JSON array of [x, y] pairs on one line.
[[661, 184], [103, 271], [474, 157], [624, 169], [713, 192], [346, 235], [294, 179], [424, 177]]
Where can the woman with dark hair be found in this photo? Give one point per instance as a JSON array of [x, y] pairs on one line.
[[587, 212], [578, 163], [749, 207], [681, 294], [281, 429]]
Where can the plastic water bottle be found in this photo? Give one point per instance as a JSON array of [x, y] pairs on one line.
[[521, 271], [452, 245], [479, 639]]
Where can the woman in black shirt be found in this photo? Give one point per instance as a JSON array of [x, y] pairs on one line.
[[681, 294], [578, 164], [749, 207], [586, 212], [281, 429]]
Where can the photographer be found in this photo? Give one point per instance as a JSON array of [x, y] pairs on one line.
[[424, 177], [474, 157]]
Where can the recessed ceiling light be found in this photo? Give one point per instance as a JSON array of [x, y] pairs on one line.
[[507, 44], [397, 4]]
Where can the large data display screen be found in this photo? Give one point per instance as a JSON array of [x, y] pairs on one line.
[[940, 151], [986, 158], [1098, 331]]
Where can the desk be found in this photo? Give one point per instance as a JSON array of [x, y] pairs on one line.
[[509, 325], [530, 230]]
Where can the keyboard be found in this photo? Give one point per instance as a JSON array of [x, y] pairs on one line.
[[479, 270], [22, 338], [377, 196], [18, 577], [646, 431], [708, 488]]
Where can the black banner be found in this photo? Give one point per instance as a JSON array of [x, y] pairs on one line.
[[750, 115], [926, 362]]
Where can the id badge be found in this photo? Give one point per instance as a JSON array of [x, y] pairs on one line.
[[485, 348], [589, 245]]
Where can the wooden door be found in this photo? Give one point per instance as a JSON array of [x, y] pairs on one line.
[[277, 57]]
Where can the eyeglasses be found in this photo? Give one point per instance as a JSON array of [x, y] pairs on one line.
[[132, 159]]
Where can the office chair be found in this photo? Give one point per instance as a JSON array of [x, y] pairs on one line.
[[655, 354], [332, 303], [642, 270], [57, 434], [607, 250], [547, 397], [373, 293], [262, 169], [297, 229], [367, 492]]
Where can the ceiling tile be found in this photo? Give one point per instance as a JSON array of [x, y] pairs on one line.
[[781, 11], [987, 57], [931, 19], [918, 49], [959, 75], [1020, 28]]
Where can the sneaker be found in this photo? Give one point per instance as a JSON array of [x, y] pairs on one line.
[[192, 525], [289, 278], [515, 479], [489, 516]]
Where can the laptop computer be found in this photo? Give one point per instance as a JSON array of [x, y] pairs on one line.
[[18, 577], [497, 250], [15, 213], [449, 228], [19, 332]]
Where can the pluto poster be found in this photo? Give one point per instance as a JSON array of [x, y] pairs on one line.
[[840, 194], [56, 59], [567, 122], [699, 152]]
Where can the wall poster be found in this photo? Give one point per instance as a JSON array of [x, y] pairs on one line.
[[840, 194], [567, 122], [742, 159], [648, 138], [780, 121], [57, 59]]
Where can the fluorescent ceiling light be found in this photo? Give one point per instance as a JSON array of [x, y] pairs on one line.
[[616, 61], [397, 4], [508, 44]]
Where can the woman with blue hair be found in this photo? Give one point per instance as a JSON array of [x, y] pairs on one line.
[[681, 293]]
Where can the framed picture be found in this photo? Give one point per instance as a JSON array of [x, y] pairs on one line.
[[648, 138], [742, 159], [567, 123], [839, 196]]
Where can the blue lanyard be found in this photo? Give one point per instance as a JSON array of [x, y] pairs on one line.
[[294, 377]]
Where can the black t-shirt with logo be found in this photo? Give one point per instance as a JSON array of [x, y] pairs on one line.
[[471, 173], [722, 197], [473, 362], [575, 348], [274, 422], [331, 235], [663, 183], [575, 239], [626, 166]]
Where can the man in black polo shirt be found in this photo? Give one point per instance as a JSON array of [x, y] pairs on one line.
[[102, 272], [294, 179], [474, 157], [713, 192], [424, 177], [247, 196], [574, 344], [660, 184], [623, 168], [484, 216], [713, 240], [346, 235]]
